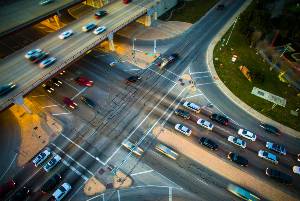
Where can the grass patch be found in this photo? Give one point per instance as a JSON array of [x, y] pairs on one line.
[[189, 11], [232, 77]]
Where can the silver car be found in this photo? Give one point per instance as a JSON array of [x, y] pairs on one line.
[[53, 162], [47, 62], [41, 157]]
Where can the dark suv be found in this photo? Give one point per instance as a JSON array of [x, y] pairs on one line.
[[89, 102], [51, 183], [182, 113], [220, 119], [279, 176], [21, 195], [208, 143], [237, 159], [270, 129]]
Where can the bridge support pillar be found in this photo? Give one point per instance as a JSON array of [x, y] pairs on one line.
[[20, 101], [148, 21], [155, 15], [111, 42]]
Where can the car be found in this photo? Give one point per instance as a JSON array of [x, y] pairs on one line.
[[237, 141], [100, 13], [167, 60], [220, 119], [183, 129], [45, 2], [83, 81], [126, 1], [65, 34], [208, 143], [32, 53], [247, 134], [88, 27], [182, 113], [268, 156], [240, 160], [133, 147], [61, 73], [48, 88], [61, 192], [205, 124], [276, 147], [192, 106], [47, 62], [132, 79], [39, 57], [99, 30], [53, 162], [21, 194], [220, 7], [70, 103], [6, 88], [7, 187], [51, 183], [296, 169], [279, 176], [41, 157], [57, 82], [270, 129], [89, 102]]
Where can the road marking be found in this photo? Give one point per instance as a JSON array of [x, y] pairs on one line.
[[144, 172], [118, 195], [75, 170], [49, 106], [96, 158], [170, 193], [199, 72], [96, 197], [201, 77], [162, 75], [132, 70], [140, 123], [73, 160], [71, 85], [169, 181], [194, 96], [9, 166], [205, 83], [202, 181], [172, 72], [151, 185], [79, 93], [37, 96], [63, 113], [78, 189]]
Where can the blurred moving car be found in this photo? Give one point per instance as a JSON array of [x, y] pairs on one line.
[[220, 119], [21, 194], [41, 157], [268, 156], [183, 129], [47, 88], [45, 2], [182, 113], [126, 1], [47, 62], [247, 134], [276, 147], [242, 193], [99, 30], [70, 103], [89, 102], [6, 88], [100, 13], [39, 57], [208, 143], [53, 162], [132, 79], [279, 176], [51, 183], [61, 192], [240, 160], [165, 60], [237, 141], [88, 27], [65, 34], [57, 82], [270, 129], [205, 124], [32, 53], [7, 187], [83, 81], [192, 106]]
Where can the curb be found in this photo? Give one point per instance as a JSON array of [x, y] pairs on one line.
[[227, 92]]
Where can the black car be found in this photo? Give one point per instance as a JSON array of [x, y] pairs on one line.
[[51, 183], [279, 176], [208, 143], [220, 7], [220, 119], [48, 88], [100, 13], [240, 160], [89, 102], [5, 89], [182, 113], [133, 79], [57, 82], [270, 128], [21, 195]]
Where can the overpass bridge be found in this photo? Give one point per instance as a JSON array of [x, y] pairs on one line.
[[27, 76]]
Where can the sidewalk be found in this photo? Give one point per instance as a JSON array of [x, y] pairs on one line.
[[228, 93]]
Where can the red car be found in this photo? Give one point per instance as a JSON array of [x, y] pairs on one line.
[[126, 1], [70, 103], [7, 187], [83, 81]]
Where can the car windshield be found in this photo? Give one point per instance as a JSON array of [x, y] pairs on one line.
[[265, 154]]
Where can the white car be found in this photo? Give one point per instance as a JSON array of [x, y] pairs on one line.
[[99, 30], [206, 124], [268, 156], [31, 53], [183, 129], [247, 134], [237, 141], [54, 161], [192, 106], [65, 34], [47, 62], [41, 157], [61, 192], [296, 170]]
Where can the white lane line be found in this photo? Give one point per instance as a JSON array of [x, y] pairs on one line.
[[49, 106], [63, 113], [78, 189], [9, 166], [85, 178], [151, 185], [194, 96], [162, 75], [205, 83], [96, 158], [169, 181], [79, 93], [96, 197], [199, 72], [202, 181], [119, 199], [201, 77], [144, 172], [140, 123], [132, 70], [37, 96], [70, 157], [170, 193], [172, 72], [71, 85]]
